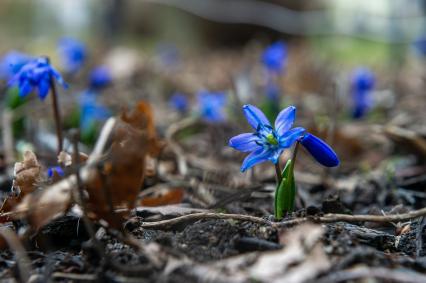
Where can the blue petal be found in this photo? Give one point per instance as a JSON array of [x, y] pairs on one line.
[[255, 116], [256, 157], [245, 142], [321, 151], [285, 120], [290, 137], [25, 88], [43, 88], [58, 77]]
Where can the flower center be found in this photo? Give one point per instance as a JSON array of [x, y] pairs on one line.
[[271, 139]]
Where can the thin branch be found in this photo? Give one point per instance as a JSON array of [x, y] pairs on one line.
[[22, 260], [328, 218]]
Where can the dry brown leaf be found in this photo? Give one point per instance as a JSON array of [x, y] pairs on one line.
[[40, 207], [27, 174], [119, 180], [163, 197]]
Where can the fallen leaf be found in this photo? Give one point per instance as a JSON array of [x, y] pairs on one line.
[[120, 176], [27, 173], [163, 197]]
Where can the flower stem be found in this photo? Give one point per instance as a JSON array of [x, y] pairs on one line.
[[56, 114], [278, 172]]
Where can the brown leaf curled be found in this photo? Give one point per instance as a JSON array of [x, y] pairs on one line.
[[120, 176]]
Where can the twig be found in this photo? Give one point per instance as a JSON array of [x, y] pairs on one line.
[[380, 272], [79, 198], [8, 143], [328, 218], [203, 215], [23, 262]]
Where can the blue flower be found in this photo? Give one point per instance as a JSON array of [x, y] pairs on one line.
[[91, 111], [212, 106], [36, 74], [12, 62], [72, 53], [179, 102], [100, 77], [55, 169], [363, 81], [321, 151], [420, 45], [274, 58], [267, 142]]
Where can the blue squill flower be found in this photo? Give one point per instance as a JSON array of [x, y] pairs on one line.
[[420, 45], [321, 151], [267, 142], [100, 77], [274, 57], [179, 102], [12, 62], [72, 53], [91, 111], [36, 74], [55, 169], [212, 106], [363, 81]]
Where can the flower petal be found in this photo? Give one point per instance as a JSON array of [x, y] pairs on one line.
[[285, 120], [291, 136], [255, 116], [25, 88], [256, 157], [43, 88], [321, 151], [245, 142]]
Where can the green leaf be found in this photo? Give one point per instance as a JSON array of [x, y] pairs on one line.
[[285, 193]]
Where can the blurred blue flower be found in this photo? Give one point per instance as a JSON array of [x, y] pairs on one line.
[[72, 53], [420, 45], [212, 106], [91, 111], [179, 102], [55, 169], [321, 151], [12, 62], [36, 74], [100, 77], [363, 81], [267, 142], [274, 57]]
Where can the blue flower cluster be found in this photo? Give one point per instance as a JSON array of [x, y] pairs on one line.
[[55, 169], [212, 106], [91, 111], [72, 53], [100, 77], [12, 62], [363, 81], [179, 102], [36, 74], [267, 142], [274, 57]]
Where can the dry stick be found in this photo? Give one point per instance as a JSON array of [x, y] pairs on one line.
[[328, 218], [56, 115], [22, 260], [80, 198]]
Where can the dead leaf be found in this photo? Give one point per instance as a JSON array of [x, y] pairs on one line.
[[120, 178], [40, 207], [27, 174], [163, 197]]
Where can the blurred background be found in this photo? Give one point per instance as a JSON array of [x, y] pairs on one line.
[[157, 49]]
